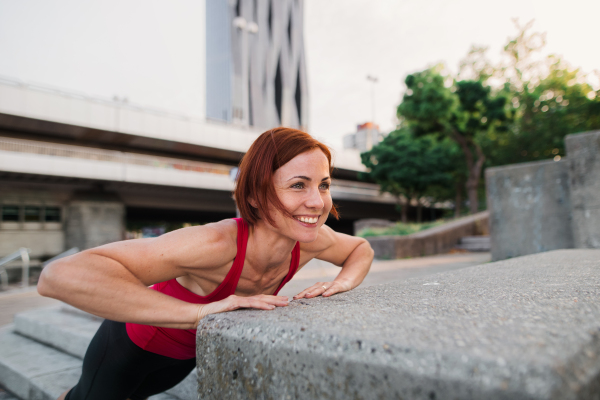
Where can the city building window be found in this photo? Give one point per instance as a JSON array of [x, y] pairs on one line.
[[32, 214], [10, 213], [52, 214]]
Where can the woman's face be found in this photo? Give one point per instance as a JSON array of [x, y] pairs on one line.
[[302, 186]]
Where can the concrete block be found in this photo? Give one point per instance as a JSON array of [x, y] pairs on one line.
[[524, 328], [530, 208], [583, 151], [62, 330]]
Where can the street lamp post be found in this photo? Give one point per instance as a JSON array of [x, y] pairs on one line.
[[373, 80]]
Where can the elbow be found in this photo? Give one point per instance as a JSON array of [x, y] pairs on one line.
[[368, 249], [49, 282]]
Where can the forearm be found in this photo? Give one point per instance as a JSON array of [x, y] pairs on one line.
[[106, 288], [356, 266]]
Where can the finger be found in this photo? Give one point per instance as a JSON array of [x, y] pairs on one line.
[[279, 301], [249, 302], [332, 290], [308, 291], [319, 289]]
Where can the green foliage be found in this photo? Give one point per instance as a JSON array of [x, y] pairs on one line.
[[399, 229], [409, 166], [548, 99], [518, 110], [464, 111], [559, 104]]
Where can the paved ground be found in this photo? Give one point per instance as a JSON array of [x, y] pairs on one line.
[[14, 301]]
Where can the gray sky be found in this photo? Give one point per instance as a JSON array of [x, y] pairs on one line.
[[147, 49]]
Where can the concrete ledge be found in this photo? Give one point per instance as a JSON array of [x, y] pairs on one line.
[[438, 240], [525, 328]]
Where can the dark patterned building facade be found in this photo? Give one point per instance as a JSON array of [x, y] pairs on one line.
[[256, 68]]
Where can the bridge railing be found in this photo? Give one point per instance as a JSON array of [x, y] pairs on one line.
[[60, 150]]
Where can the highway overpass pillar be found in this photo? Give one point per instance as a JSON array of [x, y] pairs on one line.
[[94, 219]]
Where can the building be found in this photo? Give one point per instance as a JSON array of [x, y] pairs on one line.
[[78, 170], [255, 63], [367, 135]]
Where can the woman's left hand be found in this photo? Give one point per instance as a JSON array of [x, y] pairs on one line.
[[324, 289]]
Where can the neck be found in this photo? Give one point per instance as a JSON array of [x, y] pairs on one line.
[[267, 247]]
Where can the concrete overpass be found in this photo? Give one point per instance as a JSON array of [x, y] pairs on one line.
[[96, 159]]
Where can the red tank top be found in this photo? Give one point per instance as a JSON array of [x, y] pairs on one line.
[[181, 343]]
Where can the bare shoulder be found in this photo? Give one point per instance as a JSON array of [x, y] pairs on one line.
[[209, 244], [203, 246]]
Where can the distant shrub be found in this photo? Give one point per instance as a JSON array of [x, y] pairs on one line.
[[399, 229]]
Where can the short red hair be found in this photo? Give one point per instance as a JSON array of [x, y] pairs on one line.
[[270, 151]]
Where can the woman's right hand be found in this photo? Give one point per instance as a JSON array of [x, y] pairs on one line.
[[233, 302]]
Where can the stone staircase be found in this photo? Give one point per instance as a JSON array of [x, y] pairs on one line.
[[475, 243], [41, 354]]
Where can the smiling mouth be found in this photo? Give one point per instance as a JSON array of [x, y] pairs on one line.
[[307, 220]]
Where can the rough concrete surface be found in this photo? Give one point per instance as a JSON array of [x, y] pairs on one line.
[[436, 240], [525, 328], [530, 208], [583, 152]]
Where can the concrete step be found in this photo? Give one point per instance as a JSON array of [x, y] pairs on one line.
[[31, 370], [68, 331], [475, 243]]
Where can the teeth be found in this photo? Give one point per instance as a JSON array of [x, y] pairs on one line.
[[308, 220]]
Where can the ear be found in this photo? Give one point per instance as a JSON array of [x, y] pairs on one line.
[[252, 202]]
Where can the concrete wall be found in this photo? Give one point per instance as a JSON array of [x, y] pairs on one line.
[[529, 207], [583, 152], [92, 223], [430, 241], [547, 205]]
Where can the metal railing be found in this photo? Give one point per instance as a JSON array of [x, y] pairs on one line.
[[67, 253], [23, 254]]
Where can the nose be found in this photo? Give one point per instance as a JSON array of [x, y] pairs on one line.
[[314, 200]]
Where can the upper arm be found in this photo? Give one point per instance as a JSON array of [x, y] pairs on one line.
[[331, 246], [175, 253]]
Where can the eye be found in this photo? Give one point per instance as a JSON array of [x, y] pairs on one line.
[[298, 185], [325, 186]]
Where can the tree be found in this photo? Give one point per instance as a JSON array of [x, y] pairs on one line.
[[548, 99], [408, 167], [463, 110]]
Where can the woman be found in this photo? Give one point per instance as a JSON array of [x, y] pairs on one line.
[[283, 196]]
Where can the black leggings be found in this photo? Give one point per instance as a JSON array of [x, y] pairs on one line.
[[116, 368]]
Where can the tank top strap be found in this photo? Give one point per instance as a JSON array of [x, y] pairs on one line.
[[240, 257]]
